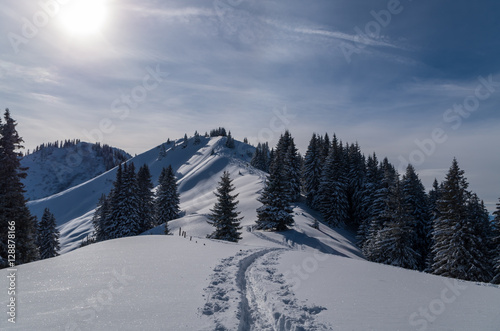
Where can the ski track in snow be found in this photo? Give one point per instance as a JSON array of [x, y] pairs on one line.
[[262, 236], [264, 299]]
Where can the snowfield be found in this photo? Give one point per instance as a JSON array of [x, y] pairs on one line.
[[300, 279], [159, 282]]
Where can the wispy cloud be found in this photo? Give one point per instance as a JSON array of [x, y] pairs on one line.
[[323, 32], [168, 13]]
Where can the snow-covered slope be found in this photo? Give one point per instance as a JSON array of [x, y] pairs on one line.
[[300, 279], [173, 283], [54, 169], [198, 168]]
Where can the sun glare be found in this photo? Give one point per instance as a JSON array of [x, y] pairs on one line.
[[83, 17]]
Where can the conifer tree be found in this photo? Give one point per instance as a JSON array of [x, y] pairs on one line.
[[13, 210], [380, 209], [293, 165], [311, 175], [125, 218], [266, 156], [480, 225], [224, 216], [275, 212], [417, 201], [101, 219], [146, 197], [324, 147], [355, 179], [457, 247], [197, 139], [115, 201], [394, 243], [371, 183], [496, 245], [434, 197], [167, 201], [256, 158], [48, 236], [132, 222], [229, 140], [332, 197], [260, 158]]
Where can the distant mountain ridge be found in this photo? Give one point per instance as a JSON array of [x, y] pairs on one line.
[[55, 167]]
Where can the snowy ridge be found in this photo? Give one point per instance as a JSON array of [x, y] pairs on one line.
[[73, 208], [198, 169], [54, 169]]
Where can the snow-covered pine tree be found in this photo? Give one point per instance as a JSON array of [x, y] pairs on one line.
[[185, 141], [311, 174], [355, 179], [417, 201], [167, 198], [275, 214], [434, 196], [256, 160], [371, 183], [332, 198], [457, 248], [146, 197], [380, 209], [13, 210], [125, 218], [293, 165], [224, 216], [48, 236], [324, 146], [220, 132], [395, 241], [101, 219], [115, 201], [260, 158], [480, 225], [131, 223], [230, 140], [197, 139], [266, 156], [496, 244]]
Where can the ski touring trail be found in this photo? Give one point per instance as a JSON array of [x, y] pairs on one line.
[[247, 293]]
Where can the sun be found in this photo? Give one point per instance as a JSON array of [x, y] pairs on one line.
[[83, 17]]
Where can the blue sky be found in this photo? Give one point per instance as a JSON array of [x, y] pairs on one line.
[[400, 77]]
